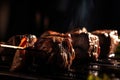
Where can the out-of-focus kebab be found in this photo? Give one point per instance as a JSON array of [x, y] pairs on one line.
[[20, 58], [12, 50], [109, 41]]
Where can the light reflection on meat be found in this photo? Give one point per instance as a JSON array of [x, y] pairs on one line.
[[62, 50], [56, 50], [85, 44], [108, 42], [13, 58]]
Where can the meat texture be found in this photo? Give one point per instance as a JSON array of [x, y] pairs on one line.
[[85, 44], [108, 42], [21, 58], [15, 58], [56, 50]]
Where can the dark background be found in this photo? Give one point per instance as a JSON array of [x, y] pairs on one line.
[[19, 16]]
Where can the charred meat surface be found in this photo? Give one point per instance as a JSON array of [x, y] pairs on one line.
[[56, 50], [85, 44], [59, 51], [108, 42], [11, 57]]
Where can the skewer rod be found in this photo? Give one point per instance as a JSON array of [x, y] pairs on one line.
[[11, 46]]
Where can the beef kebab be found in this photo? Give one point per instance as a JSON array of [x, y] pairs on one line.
[[85, 44], [56, 50], [109, 41], [14, 50], [62, 50]]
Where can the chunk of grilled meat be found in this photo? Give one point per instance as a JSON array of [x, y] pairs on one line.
[[56, 50], [108, 42], [85, 44]]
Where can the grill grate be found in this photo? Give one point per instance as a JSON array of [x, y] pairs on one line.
[[81, 72]]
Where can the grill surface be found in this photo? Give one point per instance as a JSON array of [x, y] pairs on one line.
[[109, 67]]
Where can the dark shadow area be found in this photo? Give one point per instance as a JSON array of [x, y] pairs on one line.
[[35, 17]]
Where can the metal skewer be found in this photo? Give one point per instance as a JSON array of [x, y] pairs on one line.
[[19, 48], [11, 46]]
